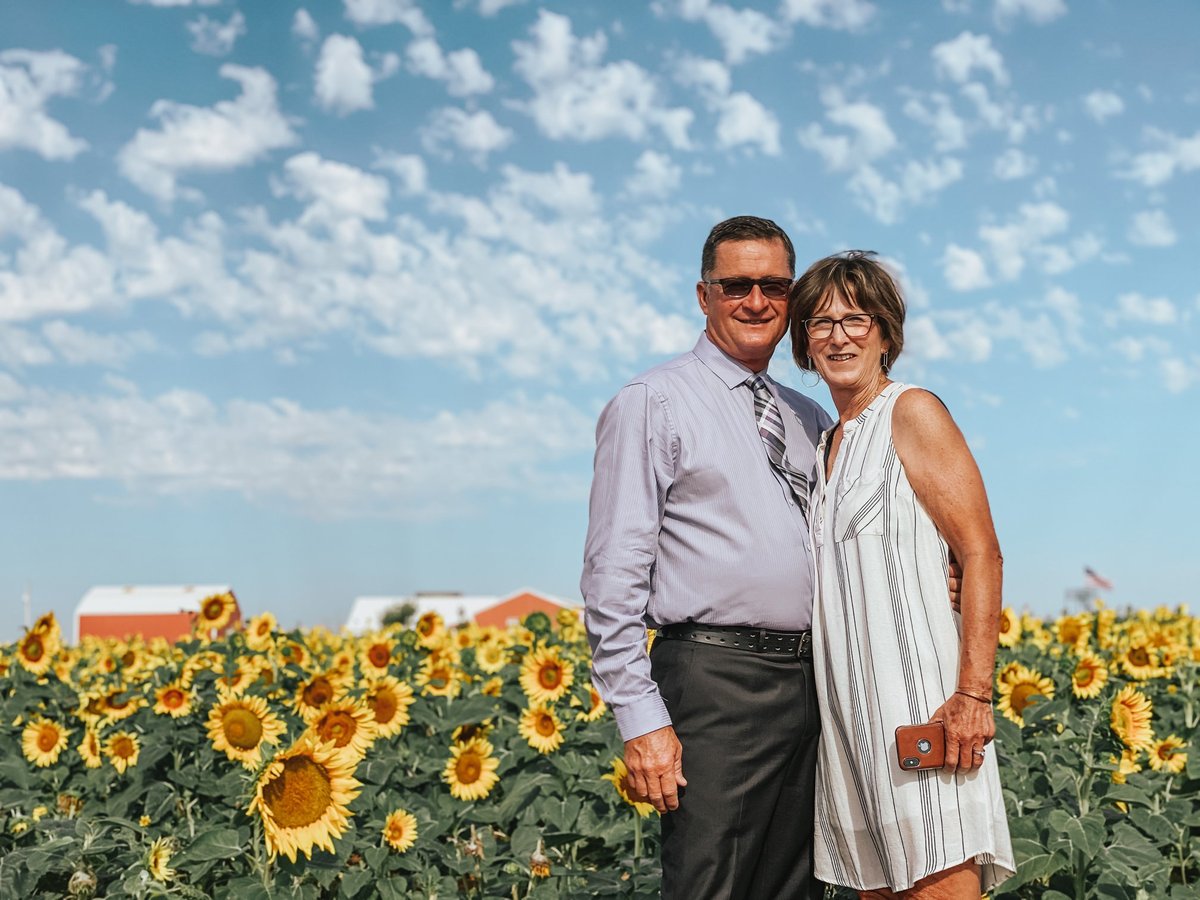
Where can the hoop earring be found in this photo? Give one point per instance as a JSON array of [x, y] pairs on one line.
[[810, 371]]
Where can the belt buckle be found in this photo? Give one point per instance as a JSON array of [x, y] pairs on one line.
[[804, 644]]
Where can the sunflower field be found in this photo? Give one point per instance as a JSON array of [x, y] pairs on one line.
[[479, 762]]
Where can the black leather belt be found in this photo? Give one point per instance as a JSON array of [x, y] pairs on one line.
[[742, 637]]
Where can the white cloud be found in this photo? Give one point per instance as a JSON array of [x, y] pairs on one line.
[[304, 27], [19, 350], [78, 346], [408, 168], [1039, 12], [491, 7], [1101, 105], [343, 80], [46, 276], [231, 134], [1174, 154], [1136, 349], [741, 32], [477, 133], [1067, 307], [215, 38], [324, 463], [869, 138], [1152, 228], [1010, 244], [29, 79], [461, 69], [742, 121], [957, 59], [949, 130], [334, 190], [1012, 164], [845, 15], [964, 269], [1137, 307], [1178, 376], [917, 183], [1004, 115], [576, 97], [654, 175], [389, 12]]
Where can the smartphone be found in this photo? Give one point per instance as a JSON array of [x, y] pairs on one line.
[[921, 746]]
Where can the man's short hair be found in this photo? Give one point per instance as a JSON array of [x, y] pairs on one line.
[[744, 228]]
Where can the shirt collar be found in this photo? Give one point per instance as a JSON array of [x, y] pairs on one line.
[[724, 366]]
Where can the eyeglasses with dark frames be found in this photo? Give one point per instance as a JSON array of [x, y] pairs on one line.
[[854, 326], [737, 288]]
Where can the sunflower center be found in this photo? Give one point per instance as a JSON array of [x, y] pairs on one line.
[[1005, 623], [47, 738], [172, 698], [213, 608], [1084, 676], [300, 794], [33, 648], [117, 701], [319, 692], [338, 727], [468, 768], [1139, 657], [384, 705], [379, 655], [123, 747], [1023, 695], [544, 725], [549, 675], [242, 728]]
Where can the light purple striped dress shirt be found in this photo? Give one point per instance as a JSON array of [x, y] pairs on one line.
[[689, 521]]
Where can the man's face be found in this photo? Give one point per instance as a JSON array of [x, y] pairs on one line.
[[747, 328]]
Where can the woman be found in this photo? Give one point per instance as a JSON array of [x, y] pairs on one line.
[[897, 492]]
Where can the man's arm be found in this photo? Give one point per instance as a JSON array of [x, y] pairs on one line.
[[634, 468]]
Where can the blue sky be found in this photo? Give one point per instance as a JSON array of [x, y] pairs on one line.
[[323, 300]]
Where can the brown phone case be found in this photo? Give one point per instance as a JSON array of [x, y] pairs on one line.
[[921, 746]]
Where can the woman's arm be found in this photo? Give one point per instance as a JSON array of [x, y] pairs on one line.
[[944, 476]]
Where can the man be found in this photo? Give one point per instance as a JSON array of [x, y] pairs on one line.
[[697, 528]]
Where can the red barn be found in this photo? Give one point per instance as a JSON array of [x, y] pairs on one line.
[[165, 611]]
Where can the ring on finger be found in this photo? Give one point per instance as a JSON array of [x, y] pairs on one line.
[[980, 753]]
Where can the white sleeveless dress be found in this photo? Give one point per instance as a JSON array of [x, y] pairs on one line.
[[886, 644]]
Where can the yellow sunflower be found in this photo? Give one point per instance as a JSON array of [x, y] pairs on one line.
[[429, 628], [123, 748], [471, 769], [215, 612], [1166, 755], [400, 830], [1126, 764], [1074, 631], [539, 862], [1131, 712], [389, 699], [619, 778], [90, 750], [1020, 689], [173, 700], [240, 726], [1139, 661], [544, 676], [1089, 676], [303, 798], [317, 692], [347, 724], [35, 651], [439, 678], [377, 654], [598, 707], [42, 741], [1010, 628], [493, 687], [491, 657], [292, 653], [541, 728], [260, 632], [157, 859]]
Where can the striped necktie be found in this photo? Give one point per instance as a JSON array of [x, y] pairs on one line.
[[770, 428]]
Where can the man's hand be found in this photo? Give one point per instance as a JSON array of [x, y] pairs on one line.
[[955, 584], [655, 763]]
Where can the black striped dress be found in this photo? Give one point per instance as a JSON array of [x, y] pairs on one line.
[[886, 642]]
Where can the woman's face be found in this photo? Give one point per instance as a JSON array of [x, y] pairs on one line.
[[846, 362]]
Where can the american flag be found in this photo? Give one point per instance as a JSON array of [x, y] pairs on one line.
[[1096, 580]]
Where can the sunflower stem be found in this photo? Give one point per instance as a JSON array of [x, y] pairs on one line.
[[637, 838]]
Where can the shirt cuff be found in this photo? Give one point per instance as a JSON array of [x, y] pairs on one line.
[[641, 717]]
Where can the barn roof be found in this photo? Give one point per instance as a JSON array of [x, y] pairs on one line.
[[141, 599]]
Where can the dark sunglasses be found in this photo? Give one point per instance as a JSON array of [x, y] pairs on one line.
[[736, 288]]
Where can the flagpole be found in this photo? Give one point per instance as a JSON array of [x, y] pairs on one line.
[[28, 608]]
